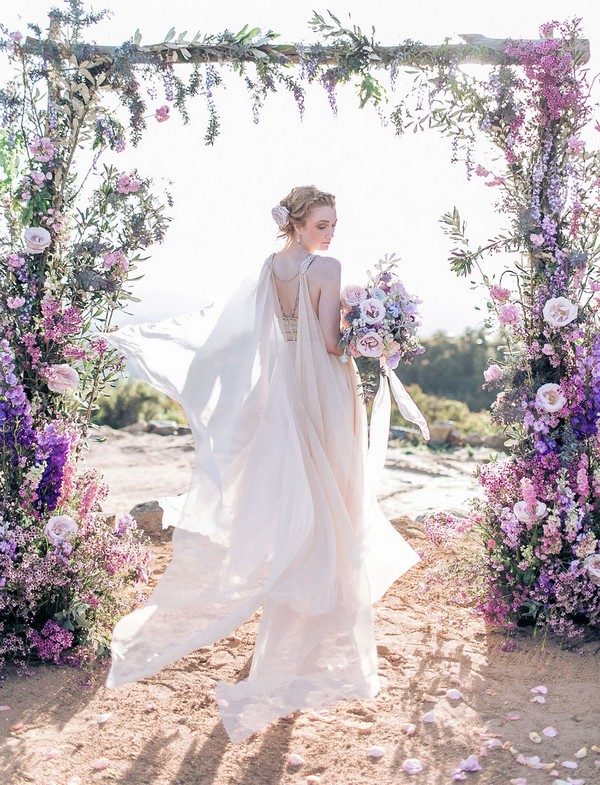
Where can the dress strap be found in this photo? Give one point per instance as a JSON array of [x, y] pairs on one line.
[[306, 263]]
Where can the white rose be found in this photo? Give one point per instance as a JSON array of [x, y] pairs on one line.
[[377, 293], [60, 528], [372, 310], [592, 565], [524, 513], [352, 295], [558, 311], [370, 344], [550, 398], [37, 239], [62, 378]]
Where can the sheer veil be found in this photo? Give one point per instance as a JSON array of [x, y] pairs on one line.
[[280, 514]]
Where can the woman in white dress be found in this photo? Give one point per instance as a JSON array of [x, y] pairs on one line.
[[281, 511]]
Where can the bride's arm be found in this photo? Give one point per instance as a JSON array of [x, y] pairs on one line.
[[329, 304]]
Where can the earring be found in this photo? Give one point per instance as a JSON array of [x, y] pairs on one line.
[[298, 239]]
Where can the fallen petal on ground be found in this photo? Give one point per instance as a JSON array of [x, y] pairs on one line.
[[412, 766]]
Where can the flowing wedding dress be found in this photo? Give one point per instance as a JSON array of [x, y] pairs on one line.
[[281, 511]]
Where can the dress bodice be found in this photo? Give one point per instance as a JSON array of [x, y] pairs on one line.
[[288, 323]]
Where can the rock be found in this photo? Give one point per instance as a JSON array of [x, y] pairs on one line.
[[183, 430], [136, 427], [440, 432], [163, 427], [496, 442], [149, 517]]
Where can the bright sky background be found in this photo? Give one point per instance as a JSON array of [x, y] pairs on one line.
[[390, 190]]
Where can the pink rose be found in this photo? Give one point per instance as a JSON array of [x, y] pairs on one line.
[[558, 311], [15, 302], [61, 378], [493, 373], [370, 344], [372, 310], [37, 239], [550, 398], [509, 314], [592, 565], [528, 513], [60, 528], [353, 295], [162, 113]]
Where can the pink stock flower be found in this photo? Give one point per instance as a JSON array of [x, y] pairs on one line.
[[128, 184], [15, 302], [575, 146], [495, 181], [509, 314], [42, 149], [499, 294], [17, 37], [15, 261], [481, 171], [537, 239], [116, 258], [61, 378], [162, 113], [493, 373], [370, 344]]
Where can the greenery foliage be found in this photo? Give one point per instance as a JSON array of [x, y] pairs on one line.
[[452, 367], [135, 401]]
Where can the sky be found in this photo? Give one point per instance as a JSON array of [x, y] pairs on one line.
[[390, 190]]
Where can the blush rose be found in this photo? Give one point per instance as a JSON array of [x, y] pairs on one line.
[[62, 378], [370, 344]]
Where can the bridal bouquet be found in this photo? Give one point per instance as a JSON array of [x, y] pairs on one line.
[[381, 319]]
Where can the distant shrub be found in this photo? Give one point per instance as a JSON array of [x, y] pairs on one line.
[[132, 401], [443, 409]]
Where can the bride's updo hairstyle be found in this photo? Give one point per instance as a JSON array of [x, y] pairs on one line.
[[299, 202]]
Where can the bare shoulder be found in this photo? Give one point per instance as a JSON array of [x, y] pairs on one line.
[[326, 267]]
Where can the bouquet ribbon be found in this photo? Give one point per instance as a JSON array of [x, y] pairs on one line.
[[380, 417]]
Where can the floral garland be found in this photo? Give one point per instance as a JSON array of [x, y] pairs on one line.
[[541, 518]]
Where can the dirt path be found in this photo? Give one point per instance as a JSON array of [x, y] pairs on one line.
[[165, 730]]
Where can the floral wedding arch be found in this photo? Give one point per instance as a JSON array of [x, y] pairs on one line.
[[75, 226]]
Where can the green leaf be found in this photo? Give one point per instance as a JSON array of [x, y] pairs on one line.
[[170, 35]]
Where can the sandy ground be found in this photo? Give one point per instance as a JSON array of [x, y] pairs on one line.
[[57, 725]]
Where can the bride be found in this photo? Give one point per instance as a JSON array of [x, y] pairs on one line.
[[281, 513]]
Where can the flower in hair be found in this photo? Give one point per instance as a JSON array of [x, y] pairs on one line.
[[281, 215]]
